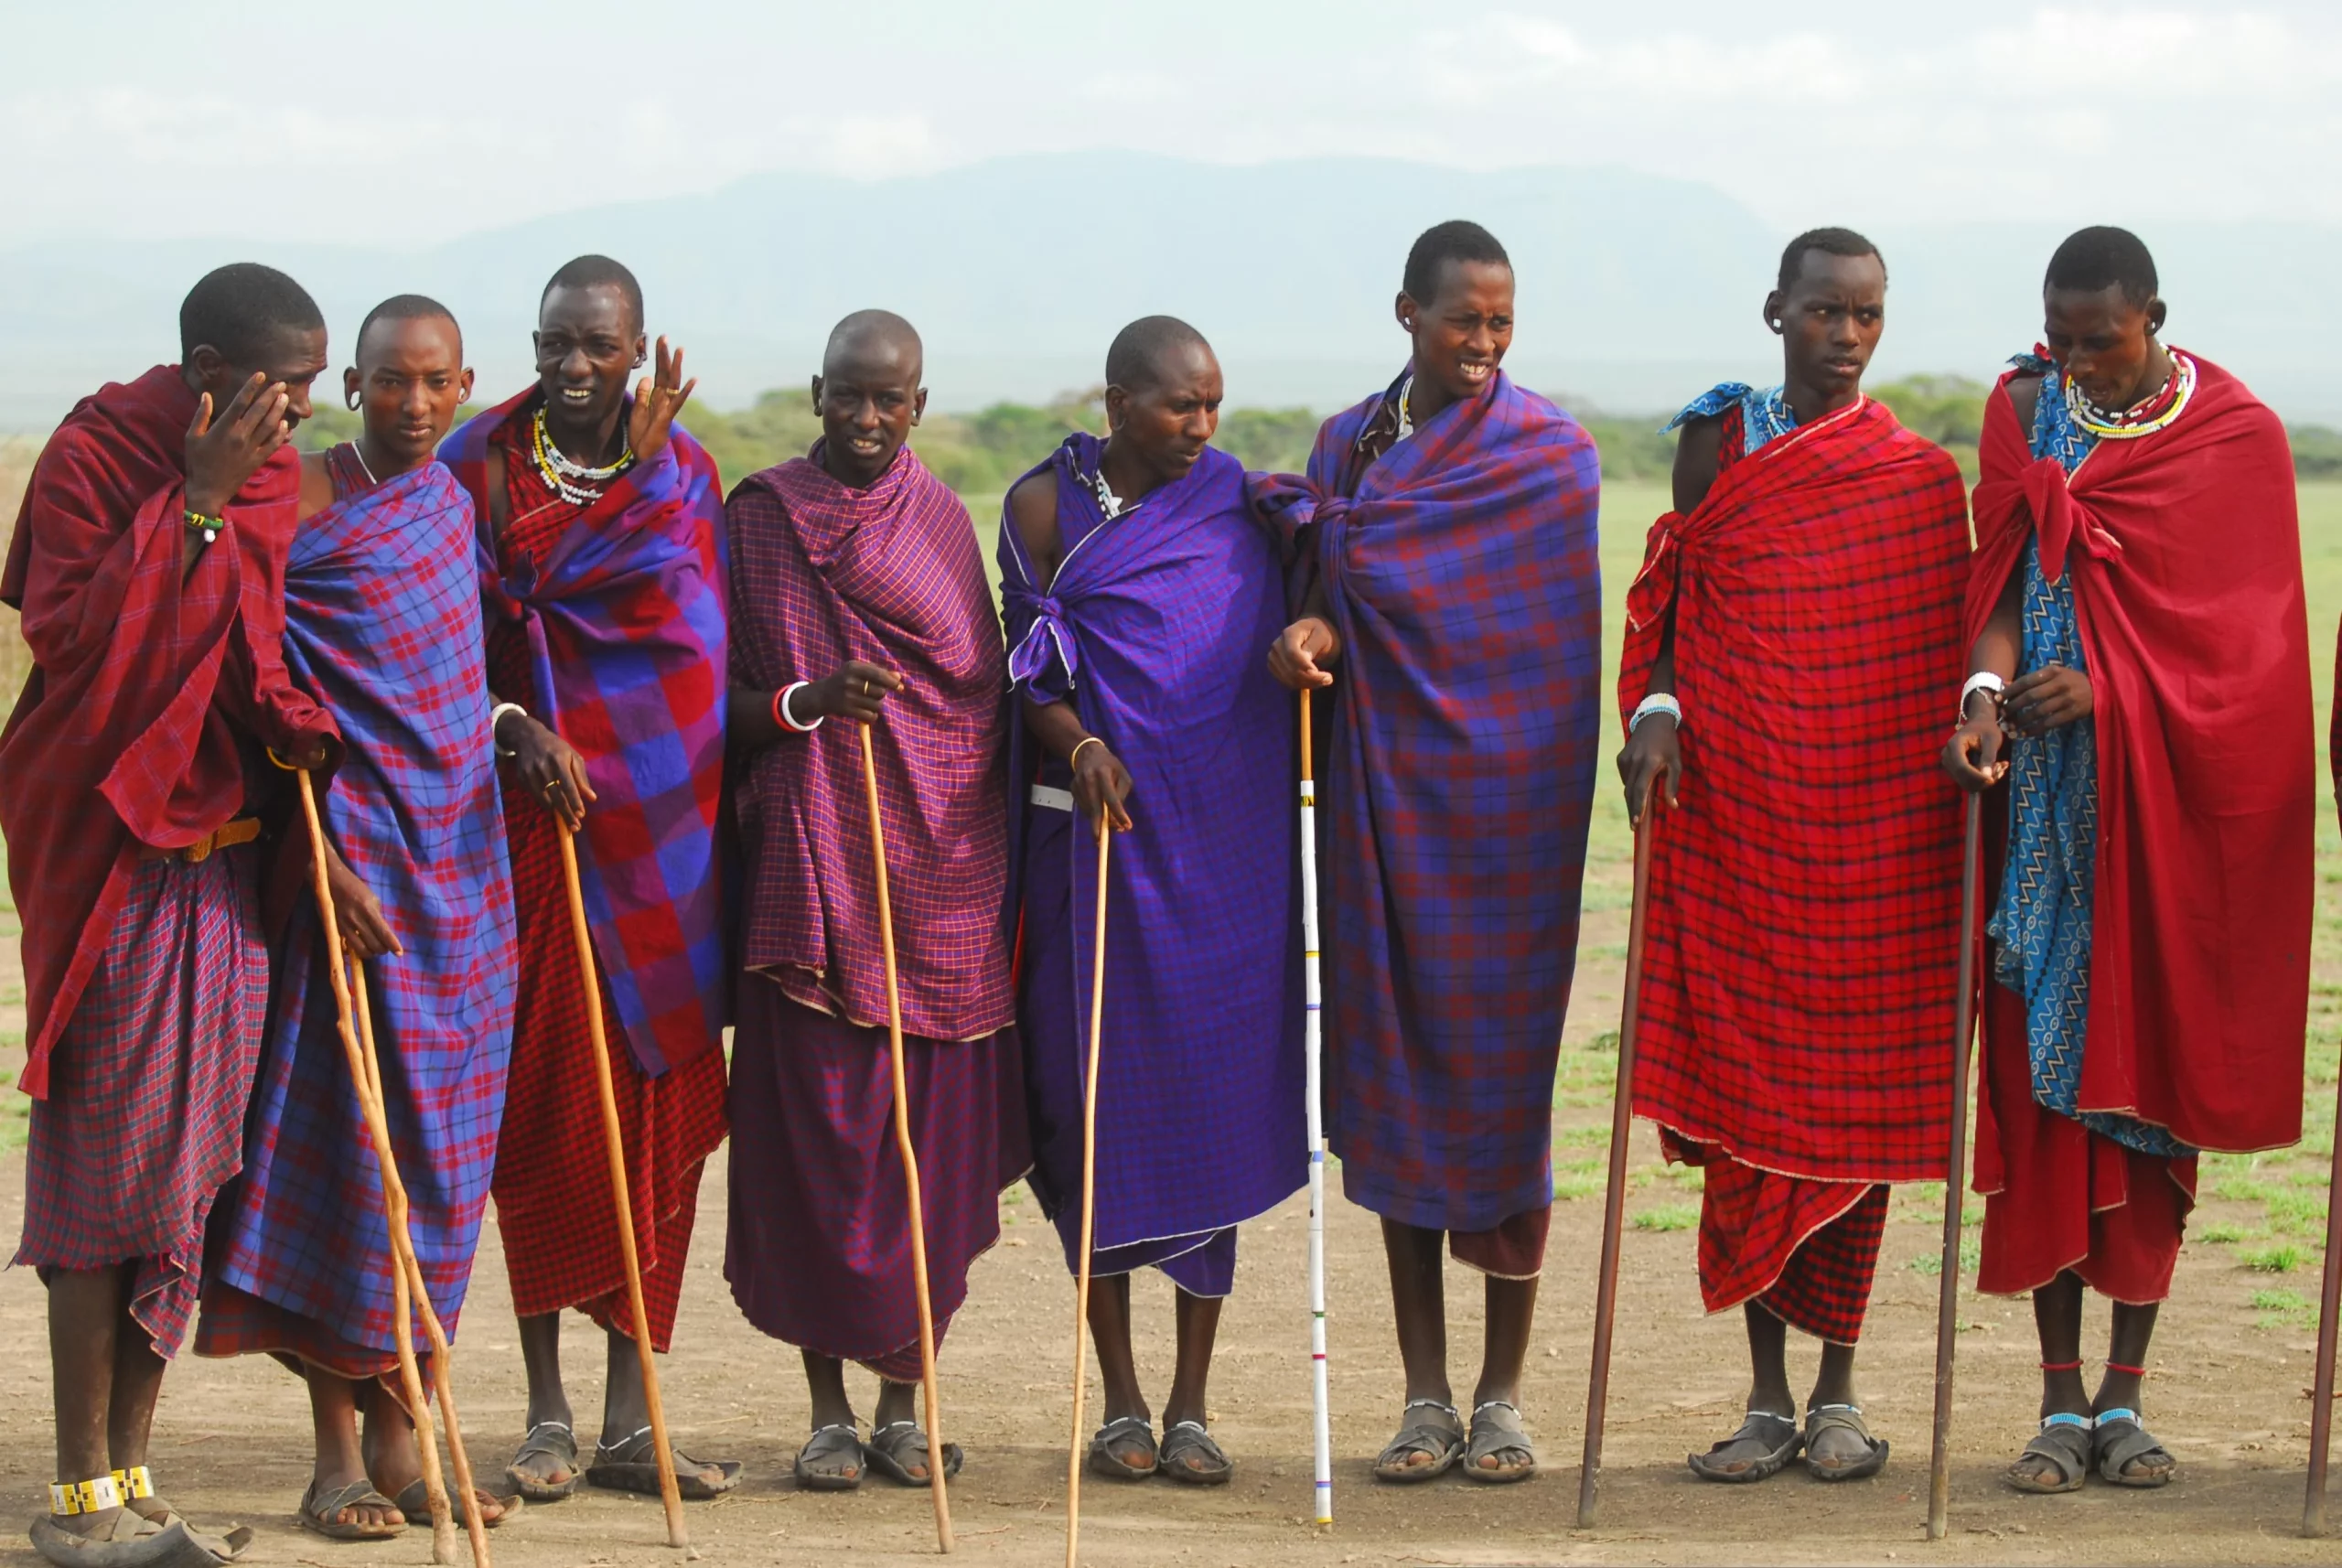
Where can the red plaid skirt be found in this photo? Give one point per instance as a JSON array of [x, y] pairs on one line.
[[553, 1184], [144, 1118], [1804, 1251], [237, 1323]]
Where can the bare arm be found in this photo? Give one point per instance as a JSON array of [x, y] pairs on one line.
[[1100, 782]]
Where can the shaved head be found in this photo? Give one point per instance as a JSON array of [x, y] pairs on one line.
[[874, 334], [1146, 351]]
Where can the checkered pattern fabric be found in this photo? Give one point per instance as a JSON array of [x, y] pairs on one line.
[[142, 1124], [1461, 569], [382, 623], [891, 575], [622, 606], [1798, 982], [1804, 1251], [148, 681]]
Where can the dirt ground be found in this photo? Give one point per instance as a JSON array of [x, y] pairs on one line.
[[2228, 1394]]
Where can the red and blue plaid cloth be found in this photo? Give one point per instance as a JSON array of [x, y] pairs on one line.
[[1461, 569], [626, 622], [1803, 941], [383, 626]]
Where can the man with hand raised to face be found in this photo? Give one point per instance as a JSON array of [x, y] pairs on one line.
[[383, 626], [2139, 707], [603, 523], [1138, 591], [858, 595], [149, 563], [1453, 602], [1788, 643]]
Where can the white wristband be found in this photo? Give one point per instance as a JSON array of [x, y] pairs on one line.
[[1983, 680], [1657, 703], [781, 707], [495, 716]]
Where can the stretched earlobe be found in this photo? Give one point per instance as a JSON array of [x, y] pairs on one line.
[[351, 399]]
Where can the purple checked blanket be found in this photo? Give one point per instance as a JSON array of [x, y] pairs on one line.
[[1461, 570], [626, 625], [383, 628], [1157, 628]]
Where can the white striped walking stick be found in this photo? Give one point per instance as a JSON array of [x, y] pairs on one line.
[[1312, 1043]]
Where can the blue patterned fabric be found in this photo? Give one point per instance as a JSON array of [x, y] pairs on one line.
[[1765, 415], [2041, 924]]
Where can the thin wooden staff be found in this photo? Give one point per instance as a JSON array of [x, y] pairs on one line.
[[621, 1198], [2321, 1415], [1614, 1203], [935, 1482], [1089, 1204], [443, 1362], [1311, 1051], [378, 1128], [1955, 1173]]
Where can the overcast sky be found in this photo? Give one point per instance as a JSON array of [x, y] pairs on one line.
[[140, 118]]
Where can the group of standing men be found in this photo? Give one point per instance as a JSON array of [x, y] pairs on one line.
[[550, 622]]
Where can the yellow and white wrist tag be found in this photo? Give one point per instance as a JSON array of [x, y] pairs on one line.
[[67, 1498]]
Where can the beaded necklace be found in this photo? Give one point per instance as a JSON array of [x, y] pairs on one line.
[[2144, 418], [577, 483]]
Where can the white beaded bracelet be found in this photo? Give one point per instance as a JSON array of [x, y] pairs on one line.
[[1657, 703], [1983, 680], [780, 706]]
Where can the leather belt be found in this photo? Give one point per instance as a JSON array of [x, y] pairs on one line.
[[240, 830]]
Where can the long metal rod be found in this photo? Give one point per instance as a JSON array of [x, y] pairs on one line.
[[1614, 1202], [1313, 1035], [1955, 1183]]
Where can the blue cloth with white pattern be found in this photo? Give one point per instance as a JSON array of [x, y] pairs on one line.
[[1765, 415], [2041, 923]]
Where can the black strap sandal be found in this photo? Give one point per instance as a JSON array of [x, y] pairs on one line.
[[415, 1501], [835, 1441], [1185, 1442], [549, 1440], [633, 1466], [317, 1509], [893, 1446], [1782, 1443], [1443, 1444], [2118, 1441], [1495, 1434], [2063, 1443], [1822, 1418], [1104, 1461]]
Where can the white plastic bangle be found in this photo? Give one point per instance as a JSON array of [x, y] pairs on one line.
[[1657, 703], [1983, 680], [780, 706], [495, 716]]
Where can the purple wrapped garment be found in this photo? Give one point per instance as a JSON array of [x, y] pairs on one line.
[[1461, 576], [1157, 628]]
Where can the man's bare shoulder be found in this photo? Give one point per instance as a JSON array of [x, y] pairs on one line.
[[316, 485], [1033, 507], [2025, 397], [1698, 445]]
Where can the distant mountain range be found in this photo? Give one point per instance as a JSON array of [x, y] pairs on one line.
[[1636, 291]]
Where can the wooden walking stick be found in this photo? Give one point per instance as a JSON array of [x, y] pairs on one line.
[[934, 1483], [2321, 1415], [1614, 1202], [621, 1197], [1311, 1051], [1955, 1183], [1089, 1203], [411, 1278], [370, 1108]]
